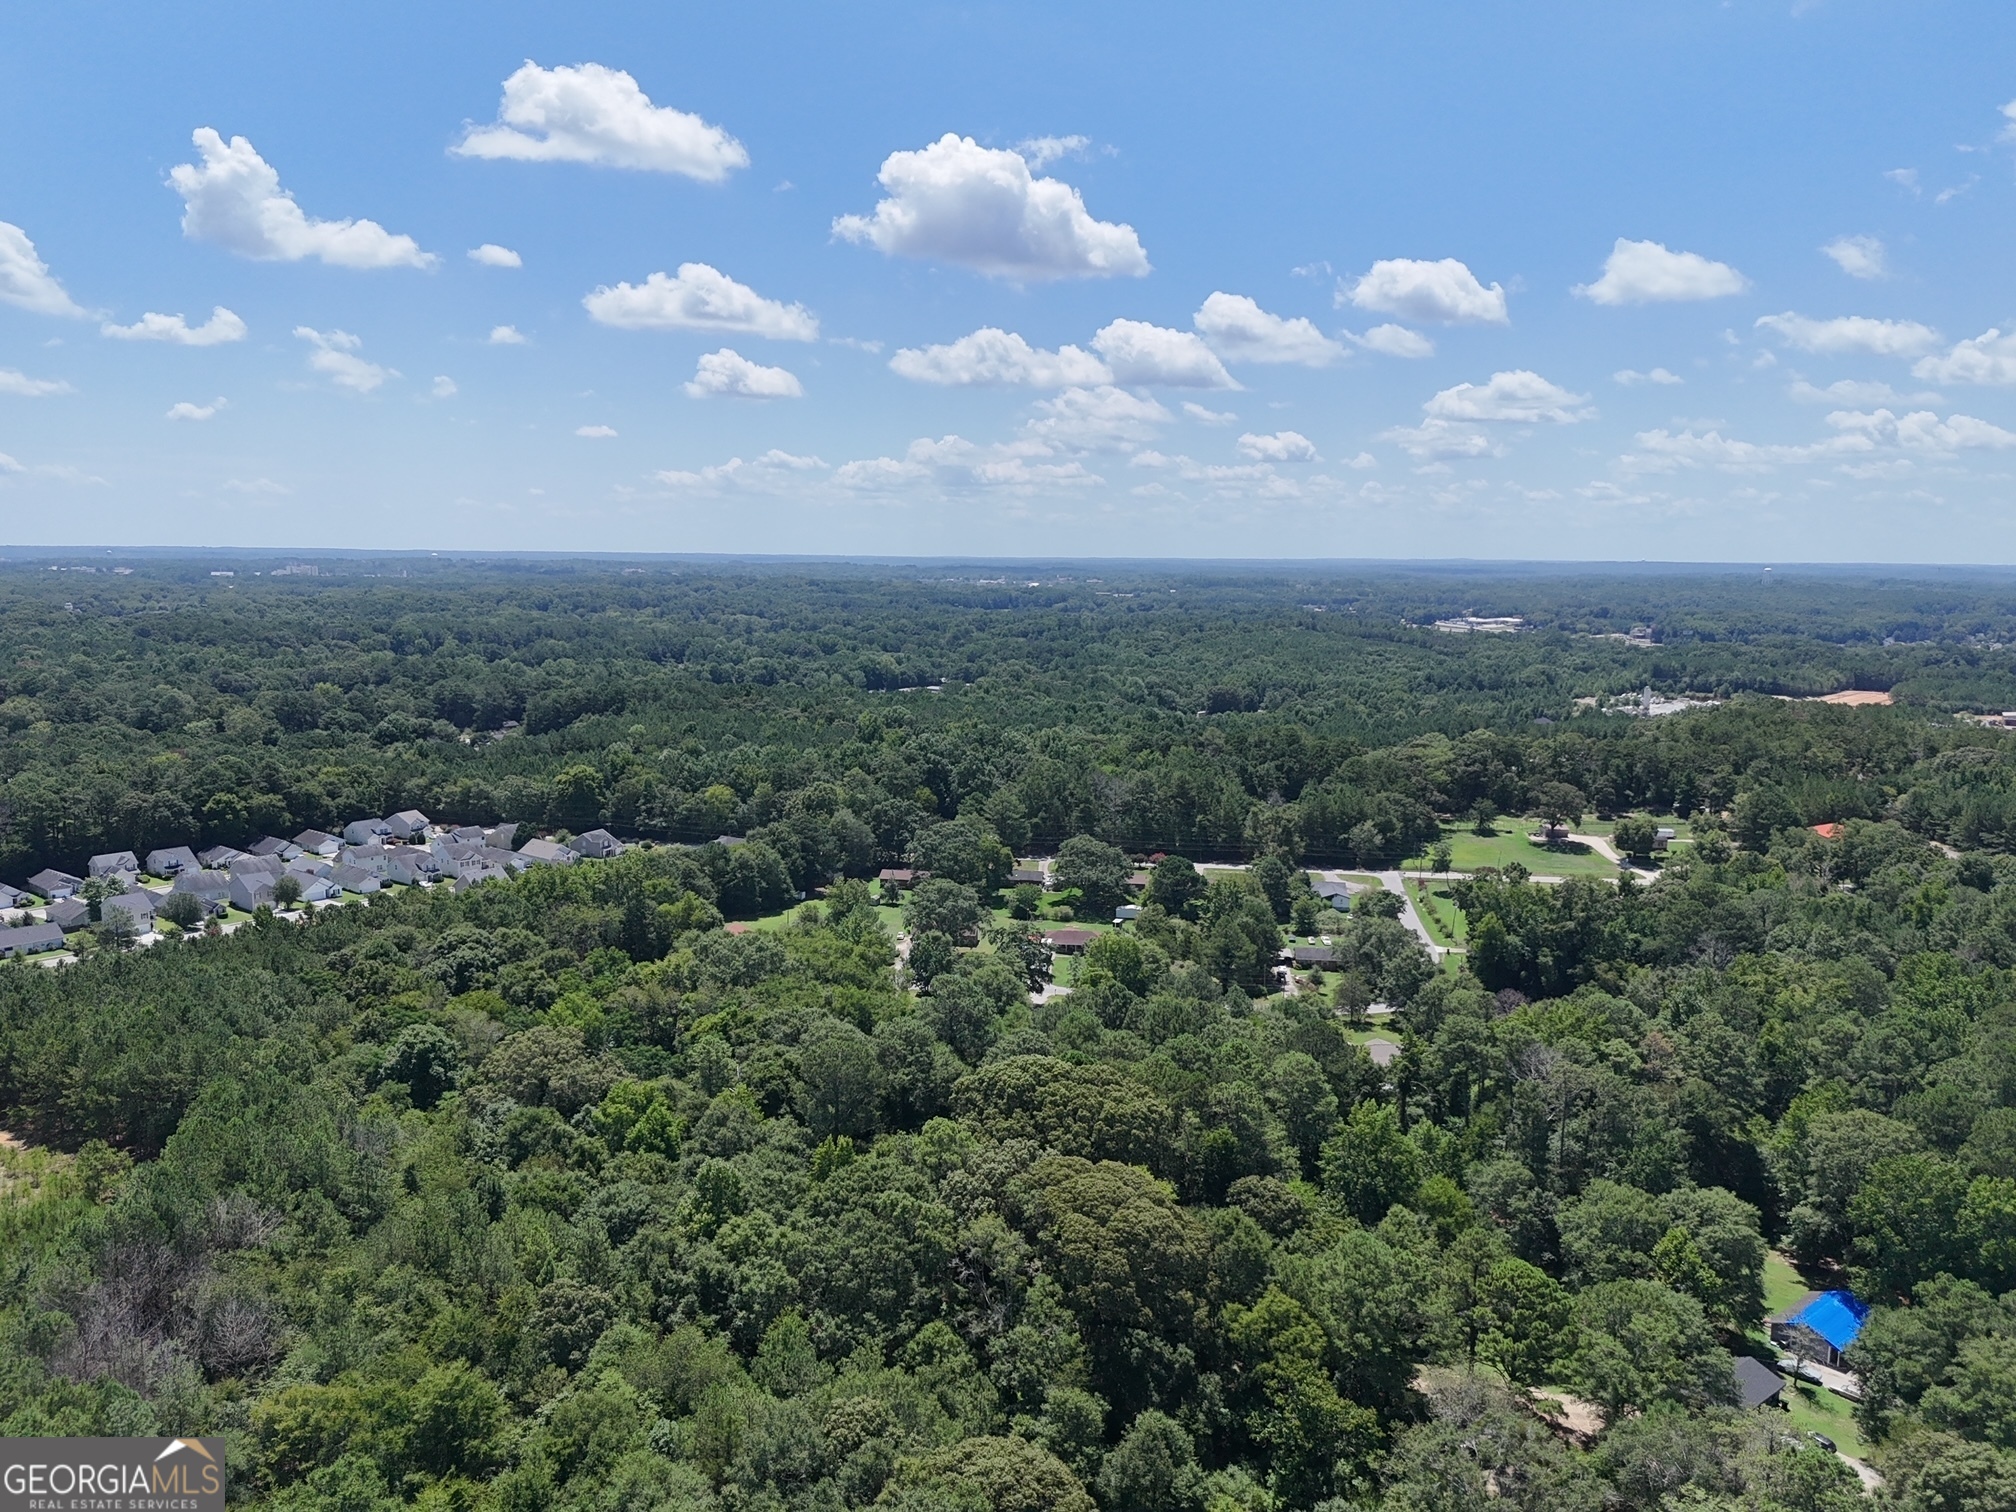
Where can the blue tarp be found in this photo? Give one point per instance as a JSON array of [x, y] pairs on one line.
[[1834, 1315]]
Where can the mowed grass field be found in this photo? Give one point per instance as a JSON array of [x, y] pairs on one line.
[[1470, 852]]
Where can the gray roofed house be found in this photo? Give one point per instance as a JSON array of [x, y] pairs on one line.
[[365, 831], [548, 852], [111, 863], [137, 906], [273, 845], [11, 897], [170, 860], [406, 824], [371, 858], [355, 879], [256, 866], [250, 889], [1760, 1385], [53, 884], [1026, 874], [1337, 894], [598, 844], [69, 914], [28, 939], [502, 836], [478, 871], [210, 886], [410, 866], [1311, 955], [317, 842], [219, 855], [317, 889], [471, 833]]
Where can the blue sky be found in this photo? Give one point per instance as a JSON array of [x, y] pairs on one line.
[[1659, 279]]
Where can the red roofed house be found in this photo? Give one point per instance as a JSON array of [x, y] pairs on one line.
[[1827, 831]]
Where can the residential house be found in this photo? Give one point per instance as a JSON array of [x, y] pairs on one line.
[[1663, 838], [502, 837], [28, 939], [468, 834], [548, 852], [1336, 894], [1822, 1327], [1304, 957], [1759, 1384], [1137, 881], [1069, 941], [53, 884], [138, 907], [729, 840], [250, 889], [113, 863], [272, 845], [306, 867], [898, 877], [411, 866], [365, 831], [257, 866], [1126, 912], [1031, 876], [12, 897], [473, 872], [370, 858], [315, 842], [355, 879], [218, 857], [69, 914], [213, 887], [318, 889], [598, 844], [175, 858], [407, 824]]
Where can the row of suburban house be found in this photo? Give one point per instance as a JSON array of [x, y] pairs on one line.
[[403, 849]]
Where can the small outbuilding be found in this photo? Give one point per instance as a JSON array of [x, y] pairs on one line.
[[1825, 1325], [1759, 1384]]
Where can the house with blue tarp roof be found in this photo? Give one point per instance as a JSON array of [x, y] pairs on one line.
[[1832, 1320]]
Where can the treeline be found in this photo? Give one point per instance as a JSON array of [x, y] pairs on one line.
[[1218, 716]]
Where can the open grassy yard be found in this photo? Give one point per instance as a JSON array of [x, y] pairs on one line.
[[1436, 906], [1470, 852], [1815, 1409]]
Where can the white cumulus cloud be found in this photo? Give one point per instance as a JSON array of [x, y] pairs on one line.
[[444, 387], [1859, 256], [25, 280], [335, 357], [993, 357], [1240, 331], [1646, 272], [1445, 291], [235, 200], [506, 335], [1097, 419], [21, 386], [189, 411], [1924, 431], [1434, 440], [1205, 416], [728, 374], [1851, 333], [490, 255], [1632, 378], [1396, 341], [222, 326], [699, 298], [1856, 393], [980, 207], [596, 432], [593, 114], [1282, 446], [1987, 358], [1516, 396], [1140, 353]]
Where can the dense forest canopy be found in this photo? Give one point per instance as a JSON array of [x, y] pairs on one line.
[[555, 1192]]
